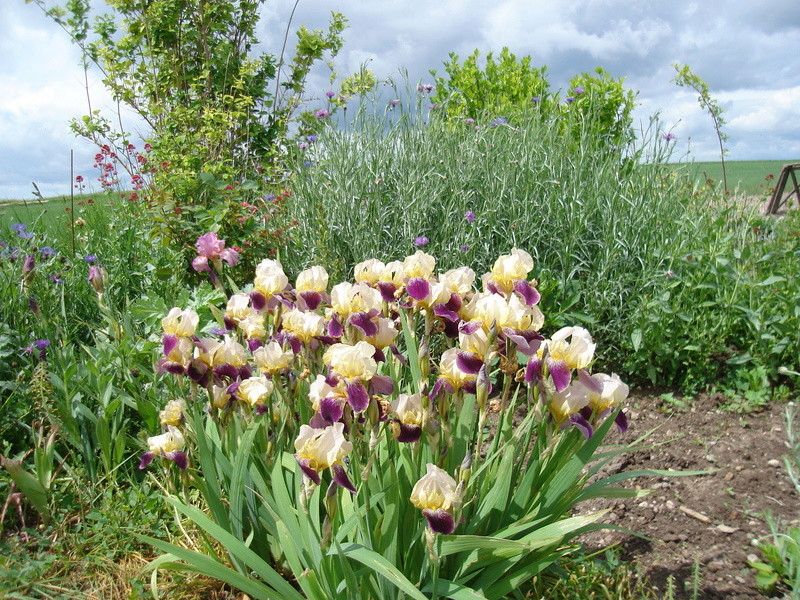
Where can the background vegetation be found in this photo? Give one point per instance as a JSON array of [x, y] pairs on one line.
[[680, 285]]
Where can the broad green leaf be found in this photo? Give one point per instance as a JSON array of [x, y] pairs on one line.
[[208, 566], [452, 544], [237, 548], [772, 280], [452, 590], [29, 485], [382, 567], [636, 339]]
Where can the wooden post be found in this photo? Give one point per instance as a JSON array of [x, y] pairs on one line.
[[778, 200]]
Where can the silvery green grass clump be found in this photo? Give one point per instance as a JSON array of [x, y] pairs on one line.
[[400, 436]]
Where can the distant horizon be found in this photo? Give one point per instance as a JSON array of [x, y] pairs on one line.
[[66, 194]]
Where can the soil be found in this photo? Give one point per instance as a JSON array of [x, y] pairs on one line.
[[711, 519]]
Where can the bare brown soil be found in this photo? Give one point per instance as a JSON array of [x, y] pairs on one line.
[[710, 519]]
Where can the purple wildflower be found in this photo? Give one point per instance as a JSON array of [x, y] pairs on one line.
[[322, 113], [578, 91], [19, 227], [393, 103], [90, 258], [421, 241], [40, 345], [470, 216], [464, 247], [25, 235], [668, 136], [498, 121], [469, 121], [46, 251], [330, 94], [536, 99], [312, 138], [570, 100]]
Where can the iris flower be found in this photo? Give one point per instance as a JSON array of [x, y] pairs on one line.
[[436, 494], [320, 449], [570, 348], [356, 366], [169, 445], [407, 425]]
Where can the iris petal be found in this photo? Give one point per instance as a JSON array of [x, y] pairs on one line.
[[622, 422], [533, 372], [580, 422], [381, 384], [357, 396], [331, 409], [418, 288], [178, 457], [529, 293], [335, 329], [147, 458], [341, 479], [561, 374], [305, 466], [440, 521], [363, 322], [468, 362]]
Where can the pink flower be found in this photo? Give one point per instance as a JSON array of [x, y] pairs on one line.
[[210, 247]]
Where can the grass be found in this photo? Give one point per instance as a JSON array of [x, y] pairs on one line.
[[746, 177]]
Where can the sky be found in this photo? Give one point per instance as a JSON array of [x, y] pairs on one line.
[[744, 49]]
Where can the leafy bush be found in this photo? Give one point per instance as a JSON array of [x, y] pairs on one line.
[[218, 114], [594, 105]]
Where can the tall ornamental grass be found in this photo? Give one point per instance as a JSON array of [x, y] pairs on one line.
[[681, 288], [602, 227]]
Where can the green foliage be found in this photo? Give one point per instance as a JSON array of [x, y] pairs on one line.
[[604, 107], [504, 86], [218, 113], [781, 566], [733, 301], [598, 576], [596, 104]]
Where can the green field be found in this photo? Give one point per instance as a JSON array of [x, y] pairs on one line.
[[748, 177]]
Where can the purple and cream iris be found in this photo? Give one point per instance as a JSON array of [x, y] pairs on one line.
[[169, 445], [436, 495], [318, 449]]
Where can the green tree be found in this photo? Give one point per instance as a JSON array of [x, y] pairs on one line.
[[685, 77], [218, 112], [596, 103]]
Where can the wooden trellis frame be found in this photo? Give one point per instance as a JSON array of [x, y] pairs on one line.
[[778, 199]]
